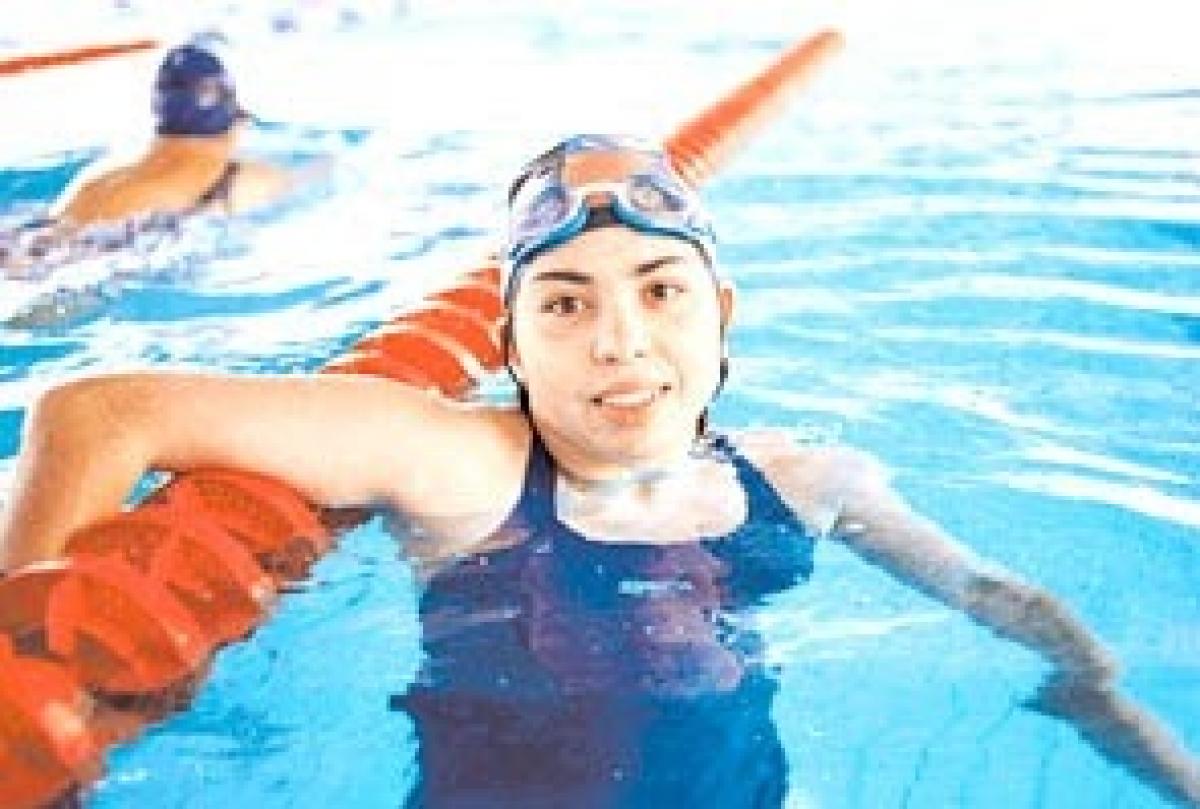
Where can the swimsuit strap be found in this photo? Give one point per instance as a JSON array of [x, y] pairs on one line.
[[762, 500], [219, 191], [537, 495], [773, 549]]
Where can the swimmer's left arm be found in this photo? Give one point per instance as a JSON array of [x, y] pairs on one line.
[[874, 521], [861, 509], [877, 523]]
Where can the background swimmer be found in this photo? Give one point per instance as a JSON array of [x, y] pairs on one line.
[[192, 166]]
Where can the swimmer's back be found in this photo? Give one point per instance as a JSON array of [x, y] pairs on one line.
[[137, 190]]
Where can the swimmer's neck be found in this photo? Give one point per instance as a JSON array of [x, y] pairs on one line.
[[178, 148], [584, 471], [641, 482]]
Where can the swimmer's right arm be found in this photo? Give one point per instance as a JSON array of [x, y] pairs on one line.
[[337, 439]]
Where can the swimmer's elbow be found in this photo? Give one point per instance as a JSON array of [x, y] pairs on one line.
[[62, 408], [78, 462], [1002, 600], [84, 413], [1034, 617]]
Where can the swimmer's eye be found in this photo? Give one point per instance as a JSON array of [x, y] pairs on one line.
[[662, 291], [565, 305]]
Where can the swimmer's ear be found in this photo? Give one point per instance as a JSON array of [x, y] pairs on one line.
[[726, 298]]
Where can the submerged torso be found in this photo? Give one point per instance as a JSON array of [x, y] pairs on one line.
[[566, 670]]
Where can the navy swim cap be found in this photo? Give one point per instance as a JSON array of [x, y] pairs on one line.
[[193, 94]]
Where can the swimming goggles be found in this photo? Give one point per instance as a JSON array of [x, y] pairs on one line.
[[545, 211]]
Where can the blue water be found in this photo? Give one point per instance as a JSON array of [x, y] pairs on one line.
[[969, 248]]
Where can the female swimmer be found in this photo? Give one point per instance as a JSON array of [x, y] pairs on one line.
[[590, 557]]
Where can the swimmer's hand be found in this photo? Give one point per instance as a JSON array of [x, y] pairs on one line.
[[1123, 732]]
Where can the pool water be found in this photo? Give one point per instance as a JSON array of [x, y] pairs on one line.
[[969, 248]]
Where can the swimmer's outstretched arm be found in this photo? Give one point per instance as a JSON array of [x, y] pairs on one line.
[[340, 440], [874, 521]]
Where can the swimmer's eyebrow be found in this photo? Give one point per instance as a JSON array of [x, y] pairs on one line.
[[577, 277], [570, 276], [648, 267]]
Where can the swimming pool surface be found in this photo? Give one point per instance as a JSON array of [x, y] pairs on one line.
[[970, 247]]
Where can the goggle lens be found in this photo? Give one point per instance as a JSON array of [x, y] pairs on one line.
[[540, 213], [649, 194]]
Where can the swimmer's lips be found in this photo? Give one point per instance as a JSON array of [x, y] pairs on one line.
[[630, 396], [629, 403]]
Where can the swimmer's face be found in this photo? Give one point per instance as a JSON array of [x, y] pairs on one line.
[[617, 337]]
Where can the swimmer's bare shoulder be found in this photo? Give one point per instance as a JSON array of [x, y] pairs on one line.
[[822, 483], [471, 464], [460, 513], [258, 184]]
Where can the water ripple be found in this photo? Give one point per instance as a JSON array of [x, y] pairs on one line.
[[1034, 288], [1139, 498]]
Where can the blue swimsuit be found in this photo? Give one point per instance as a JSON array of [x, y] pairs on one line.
[[567, 672]]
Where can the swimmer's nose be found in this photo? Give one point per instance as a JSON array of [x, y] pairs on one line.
[[621, 334]]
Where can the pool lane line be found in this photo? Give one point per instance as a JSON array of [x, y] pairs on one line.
[[13, 65]]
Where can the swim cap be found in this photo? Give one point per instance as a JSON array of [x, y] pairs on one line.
[[193, 94], [545, 210]]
